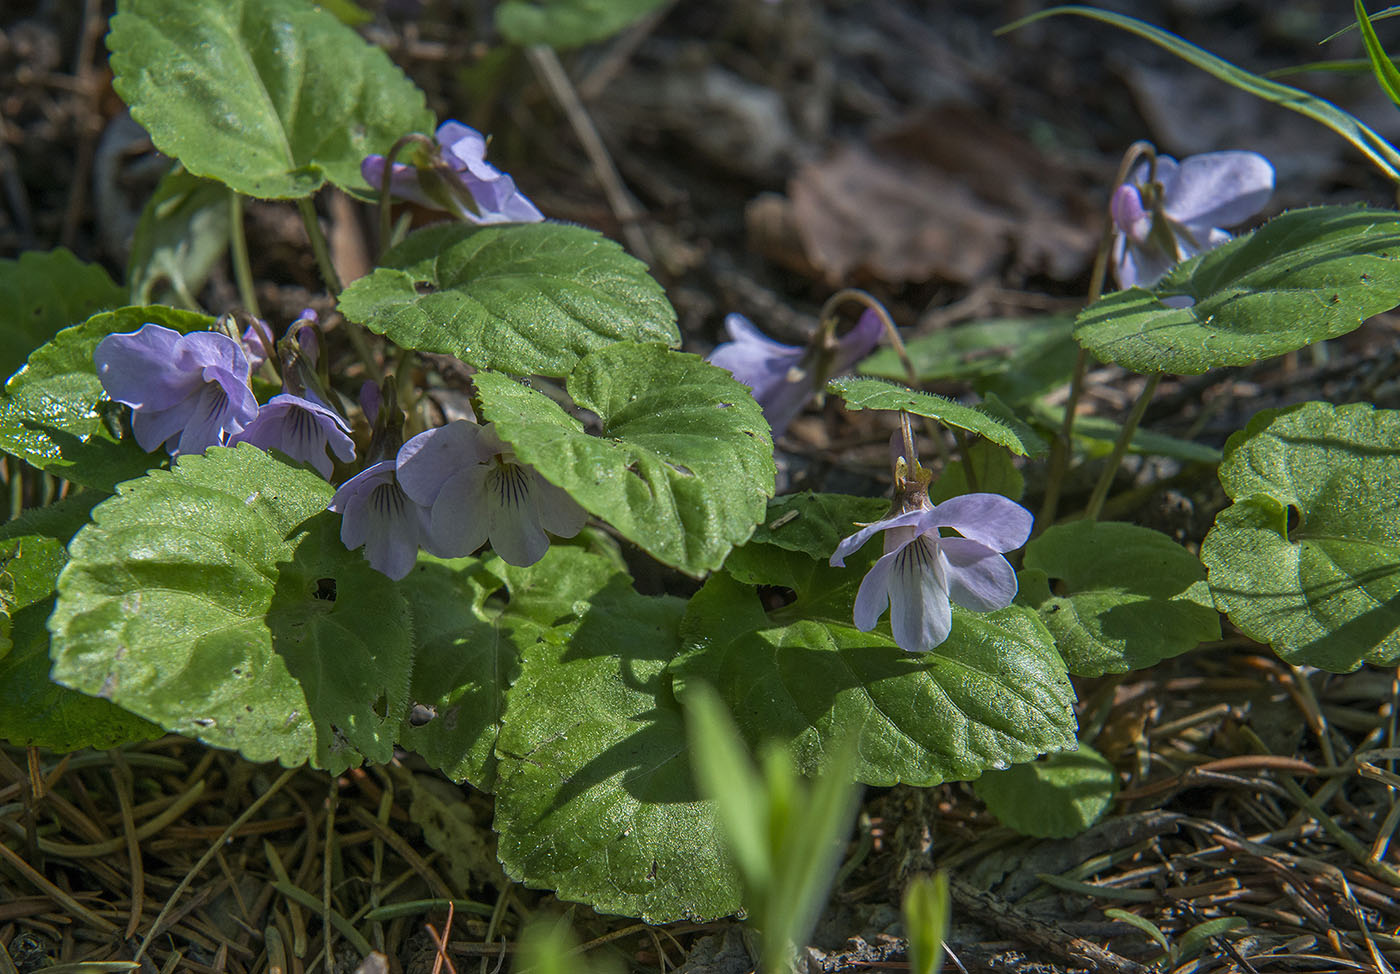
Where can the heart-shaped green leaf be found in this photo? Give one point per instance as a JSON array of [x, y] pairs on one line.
[[878, 394], [1054, 798], [1305, 276], [1325, 591], [681, 466], [55, 415], [270, 97], [33, 709], [994, 693], [1125, 596], [217, 600], [594, 794], [45, 292], [527, 299]]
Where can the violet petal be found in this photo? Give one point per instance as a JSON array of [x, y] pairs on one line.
[[978, 577]]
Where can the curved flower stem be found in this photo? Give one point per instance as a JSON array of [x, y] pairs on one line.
[[238, 246], [827, 320], [1130, 425], [1061, 447], [386, 205], [319, 246], [322, 250]]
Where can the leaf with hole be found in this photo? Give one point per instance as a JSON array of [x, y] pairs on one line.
[[217, 600], [1324, 591]]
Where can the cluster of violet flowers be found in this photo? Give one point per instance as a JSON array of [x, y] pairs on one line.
[[451, 489], [1163, 213], [190, 392], [447, 490]]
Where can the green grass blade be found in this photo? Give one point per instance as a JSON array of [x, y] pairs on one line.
[[1371, 144], [1386, 74], [1349, 65], [1385, 14]]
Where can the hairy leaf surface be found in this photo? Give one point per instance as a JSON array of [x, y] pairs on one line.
[[217, 600], [528, 299]]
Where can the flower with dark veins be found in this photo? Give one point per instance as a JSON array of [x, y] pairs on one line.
[[921, 571], [477, 491], [186, 392], [1163, 221], [376, 513], [302, 429], [783, 377], [455, 176]]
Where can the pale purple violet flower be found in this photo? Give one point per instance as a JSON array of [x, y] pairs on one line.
[[186, 392], [376, 513], [456, 178], [1194, 199], [921, 571], [477, 491], [784, 377], [301, 429]]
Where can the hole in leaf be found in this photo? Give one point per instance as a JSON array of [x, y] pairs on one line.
[[380, 706], [774, 597], [681, 469], [1295, 518], [424, 287], [325, 589]]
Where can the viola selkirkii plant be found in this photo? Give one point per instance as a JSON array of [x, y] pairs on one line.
[[276, 545]]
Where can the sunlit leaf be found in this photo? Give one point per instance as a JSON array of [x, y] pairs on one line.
[[528, 299], [217, 600], [1303, 277], [682, 464], [270, 97], [861, 393]]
